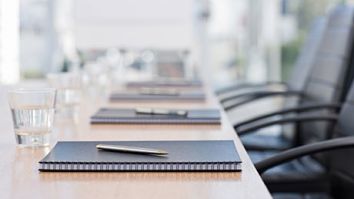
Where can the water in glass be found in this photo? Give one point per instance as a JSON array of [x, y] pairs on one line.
[[33, 124]]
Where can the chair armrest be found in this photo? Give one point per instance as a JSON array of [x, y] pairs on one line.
[[246, 94], [245, 86], [260, 95], [299, 109], [291, 154], [304, 118], [257, 93]]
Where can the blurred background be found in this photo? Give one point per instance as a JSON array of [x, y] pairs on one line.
[[225, 40]]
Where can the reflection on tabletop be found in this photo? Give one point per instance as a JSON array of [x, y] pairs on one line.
[[141, 176]]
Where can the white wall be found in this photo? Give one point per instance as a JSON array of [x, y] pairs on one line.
[[133, 23], [9, 37]]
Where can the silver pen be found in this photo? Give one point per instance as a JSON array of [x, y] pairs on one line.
[[151, 111], [154, 91], [130, 149]]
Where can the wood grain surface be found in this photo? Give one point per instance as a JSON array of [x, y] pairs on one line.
[[20, 178]]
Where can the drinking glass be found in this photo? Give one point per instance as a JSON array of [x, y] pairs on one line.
[[68, 97], [33, 115], [96, 80]]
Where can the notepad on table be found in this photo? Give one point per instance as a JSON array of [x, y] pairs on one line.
[[156, 116], [158, 94], [211, 155], [165, 83]]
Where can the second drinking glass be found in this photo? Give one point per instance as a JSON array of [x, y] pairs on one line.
[[68, 99]]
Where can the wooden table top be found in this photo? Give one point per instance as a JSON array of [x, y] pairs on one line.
[[20, 178]]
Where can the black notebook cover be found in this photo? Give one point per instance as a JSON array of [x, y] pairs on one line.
[[130, 116], [212, 155], [178, 96]]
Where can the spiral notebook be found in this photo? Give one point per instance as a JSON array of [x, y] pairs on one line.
[[155, 116], [158, 95], [212, 155], [165, 83]]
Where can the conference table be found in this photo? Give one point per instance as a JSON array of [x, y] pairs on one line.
[[20, 178]]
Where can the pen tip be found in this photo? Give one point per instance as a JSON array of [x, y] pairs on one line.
[[163, 152]]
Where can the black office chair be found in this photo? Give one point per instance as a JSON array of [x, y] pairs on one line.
[[341, 16], [300, 73], [331, 179], [324, 91]]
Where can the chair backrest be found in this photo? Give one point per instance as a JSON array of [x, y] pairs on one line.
[[302, 68], [342, 161], [330, 73], [303, 65]]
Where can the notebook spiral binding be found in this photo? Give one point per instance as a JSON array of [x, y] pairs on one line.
[[157, 97], [111, 166]]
